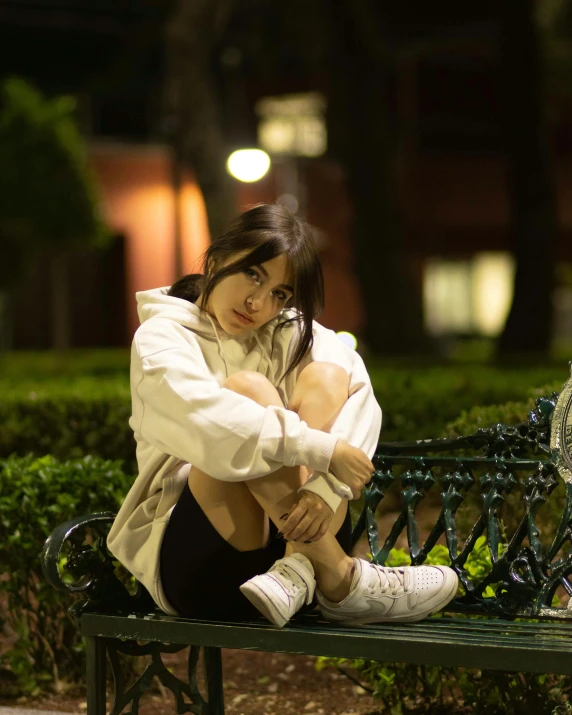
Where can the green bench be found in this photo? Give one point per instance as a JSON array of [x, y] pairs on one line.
[[506, 619]]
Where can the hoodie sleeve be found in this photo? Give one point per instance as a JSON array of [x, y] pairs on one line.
[[187, 414], [359, 422]]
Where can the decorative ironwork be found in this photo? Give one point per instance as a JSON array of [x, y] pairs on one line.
[[502, 462], [76, 558], [125, 695]]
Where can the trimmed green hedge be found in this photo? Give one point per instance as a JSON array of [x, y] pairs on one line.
[[68, 419], [36, 495], [43, 365], [71, 417], [479, 416], [420, 403]]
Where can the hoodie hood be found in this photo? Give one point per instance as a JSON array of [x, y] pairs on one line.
[[156, 303]]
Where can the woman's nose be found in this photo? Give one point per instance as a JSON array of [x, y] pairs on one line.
[[255, 302]]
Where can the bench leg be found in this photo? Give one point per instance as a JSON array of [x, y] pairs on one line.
[[213, 673], [96, 669]]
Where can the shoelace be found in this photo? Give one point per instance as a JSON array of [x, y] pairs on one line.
[[391, 579], [295, 581]]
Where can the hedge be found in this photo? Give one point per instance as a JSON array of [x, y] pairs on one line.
[[36, 495], [469, 421], [419, 403], [68, 419], [71, 417], [41, 365]]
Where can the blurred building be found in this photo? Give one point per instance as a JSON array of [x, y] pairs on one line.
[[452, 192]]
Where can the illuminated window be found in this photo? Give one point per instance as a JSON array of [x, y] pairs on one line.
[[468, 296], [293, 124]]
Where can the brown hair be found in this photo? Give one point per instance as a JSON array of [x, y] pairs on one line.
[[266, 231]]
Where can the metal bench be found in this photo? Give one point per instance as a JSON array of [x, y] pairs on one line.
[[522, 468]]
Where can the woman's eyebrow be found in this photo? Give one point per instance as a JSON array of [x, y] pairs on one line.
[[265, 272]]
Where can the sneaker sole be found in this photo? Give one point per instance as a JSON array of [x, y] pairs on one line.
[[366, 621], [262, 603]]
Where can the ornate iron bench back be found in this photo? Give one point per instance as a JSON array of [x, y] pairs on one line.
[[500, 463]]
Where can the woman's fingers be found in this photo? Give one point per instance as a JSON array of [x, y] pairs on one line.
[[294, 518], [306, 524], [316, 526], [322, 531], [308, 519], [305, 529]]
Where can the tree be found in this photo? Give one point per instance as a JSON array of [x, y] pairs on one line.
[[336, 46], [532, 197], [47, 192], [365, 139], [193, 107]]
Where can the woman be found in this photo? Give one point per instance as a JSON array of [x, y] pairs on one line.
[[254, 426]]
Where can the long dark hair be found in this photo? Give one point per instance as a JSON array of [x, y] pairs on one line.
[[266, 231]]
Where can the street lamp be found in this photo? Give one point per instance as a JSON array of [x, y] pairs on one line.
[[248, 164]]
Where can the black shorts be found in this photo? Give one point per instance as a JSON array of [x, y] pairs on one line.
[[201, 572]]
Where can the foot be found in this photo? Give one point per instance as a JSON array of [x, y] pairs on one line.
[[381, 594], [280, 592]]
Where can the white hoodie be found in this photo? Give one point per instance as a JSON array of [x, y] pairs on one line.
[[182, 416]]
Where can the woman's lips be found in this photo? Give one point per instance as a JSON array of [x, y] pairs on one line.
[[243, 319]]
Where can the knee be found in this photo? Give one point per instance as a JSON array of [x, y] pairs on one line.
[[251, 384], [326, 376]]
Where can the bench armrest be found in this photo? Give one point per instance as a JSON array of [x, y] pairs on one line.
[[54, 545], [75, 558]]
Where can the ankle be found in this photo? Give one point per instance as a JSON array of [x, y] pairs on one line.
[[335, 585]]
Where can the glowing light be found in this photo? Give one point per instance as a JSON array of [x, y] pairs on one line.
[[472, 295], [293, 124], [493, 280], [447, 296], [248, 164], [347, 338]]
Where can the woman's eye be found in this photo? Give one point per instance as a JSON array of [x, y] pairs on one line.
[[282, 296], [251, 273]]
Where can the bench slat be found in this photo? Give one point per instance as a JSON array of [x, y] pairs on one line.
[[493, 644]]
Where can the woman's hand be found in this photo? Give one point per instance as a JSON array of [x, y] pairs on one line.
[[308, 520], [351, 466]]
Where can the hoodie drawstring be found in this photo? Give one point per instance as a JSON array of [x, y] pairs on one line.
[[259, 343], [219, 343], [267, 356]]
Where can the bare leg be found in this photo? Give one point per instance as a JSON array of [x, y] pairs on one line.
[[231, 509], [238, 510], [321, 392]]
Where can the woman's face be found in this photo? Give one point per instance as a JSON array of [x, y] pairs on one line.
[[249, 299]]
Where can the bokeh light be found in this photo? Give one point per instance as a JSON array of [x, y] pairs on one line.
[[248, 164], [348, 339]]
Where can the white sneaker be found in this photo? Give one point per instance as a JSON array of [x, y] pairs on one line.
[[280, 592], [379, 594]]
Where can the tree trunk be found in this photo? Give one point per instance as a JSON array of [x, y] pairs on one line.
[[363, 139], [193, 106], [533, 205]]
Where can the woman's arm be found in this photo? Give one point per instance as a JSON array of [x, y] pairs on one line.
[[359, 421], [180, 409]]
